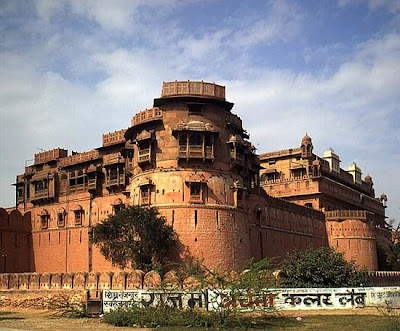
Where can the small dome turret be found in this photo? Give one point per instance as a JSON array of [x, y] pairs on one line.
[[306, 147], [368, 179], [306, 139]]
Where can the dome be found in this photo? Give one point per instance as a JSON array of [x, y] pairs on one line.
[[306, 140], [368, 179]]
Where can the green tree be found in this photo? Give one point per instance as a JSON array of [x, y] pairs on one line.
[[135, 237], [320, 267]]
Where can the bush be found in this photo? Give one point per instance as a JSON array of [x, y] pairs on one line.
[[159, 316], [321, 267]]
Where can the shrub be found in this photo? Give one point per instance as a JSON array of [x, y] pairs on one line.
[[320, 267], [159, 316]]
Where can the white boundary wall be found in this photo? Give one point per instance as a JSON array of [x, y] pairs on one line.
[[278, 299]]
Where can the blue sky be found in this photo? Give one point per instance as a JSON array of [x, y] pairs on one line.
[[71, 70]]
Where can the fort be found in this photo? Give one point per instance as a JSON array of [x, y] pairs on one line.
[[190, 157]]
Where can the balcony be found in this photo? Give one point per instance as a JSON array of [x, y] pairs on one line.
[[112, 182], [237, 159], [144, 155], [77, 188], [92, 184], [113, 158], [20, 199], [188, 88], [195, 152], [145, 200], [41, 195]]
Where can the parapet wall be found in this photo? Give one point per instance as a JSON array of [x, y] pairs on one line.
[[136, 279]]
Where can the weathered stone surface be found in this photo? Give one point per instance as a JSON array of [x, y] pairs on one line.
[[56, 281], [152, 280], [119, 280], [23, 280], [45, 281], [68, 281], [105, 281], [134, 280], [34, 282], [92, 281], [79, 281], [4, 281], [191, 283], [14, 285], [59, 299], [171, 280]]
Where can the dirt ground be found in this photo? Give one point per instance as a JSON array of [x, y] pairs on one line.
[[30, 319]]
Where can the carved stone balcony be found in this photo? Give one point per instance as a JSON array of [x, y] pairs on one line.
[[144, 155], [195, 152], [115, 181], [113, 158]]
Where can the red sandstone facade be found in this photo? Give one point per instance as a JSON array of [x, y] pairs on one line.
[[189, 157], [355, 219]]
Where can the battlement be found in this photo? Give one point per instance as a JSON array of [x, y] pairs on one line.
[[348, 214], [113, 138], [282, 152], [147, 115], [50, 155], [79, 158], [193, 88]]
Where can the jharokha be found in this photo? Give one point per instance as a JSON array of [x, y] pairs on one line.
[[190, 157]]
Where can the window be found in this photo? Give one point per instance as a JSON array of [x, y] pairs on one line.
[[145, 195], [195, 140], [20, 193], [182, 140], [117, 208], [195, 191], [195, 108], [113, 174], [63, 182], [79, 217], [144, 152], [44, 221], [61, 219]]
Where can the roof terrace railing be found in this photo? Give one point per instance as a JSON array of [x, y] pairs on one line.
[[114, 137], [79, 158], [50, 155], [193, 88], [147, 116]]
